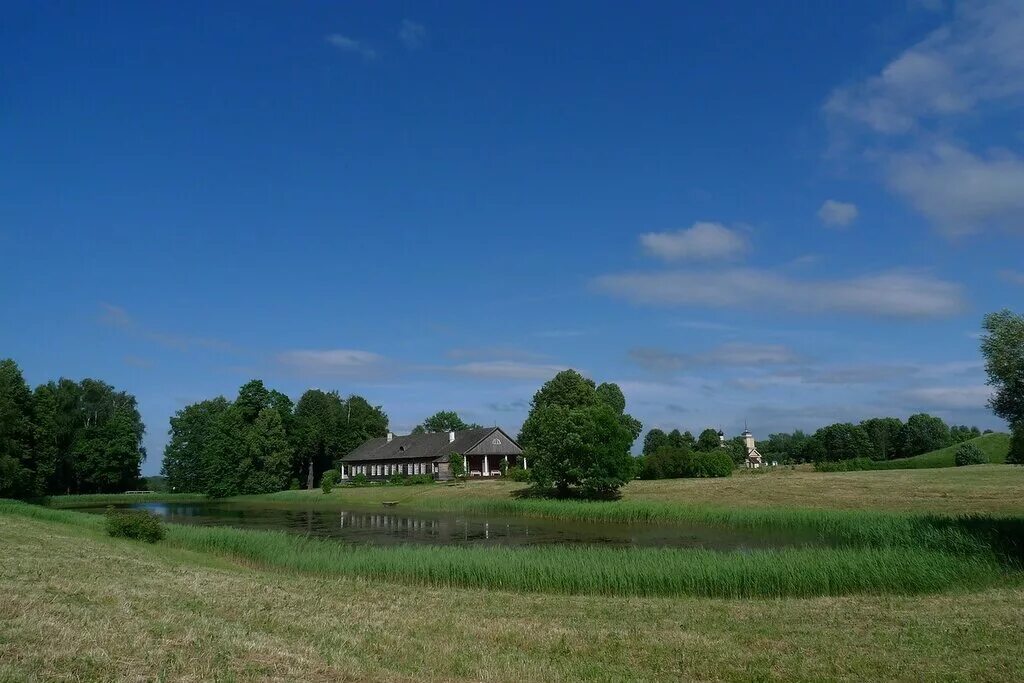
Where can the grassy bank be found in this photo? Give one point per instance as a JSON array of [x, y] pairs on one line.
[[118, 498], [79, 606], [884, 554]]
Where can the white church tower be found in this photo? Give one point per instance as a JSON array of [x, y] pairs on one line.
[[753, 456]]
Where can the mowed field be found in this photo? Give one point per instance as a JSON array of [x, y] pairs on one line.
[[76, 605], [994, 489]]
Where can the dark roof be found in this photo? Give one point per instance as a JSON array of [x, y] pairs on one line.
[[436, 446]]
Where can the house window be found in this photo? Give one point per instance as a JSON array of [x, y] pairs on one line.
[[496, 442]]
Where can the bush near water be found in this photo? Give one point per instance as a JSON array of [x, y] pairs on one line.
[[139, 525]]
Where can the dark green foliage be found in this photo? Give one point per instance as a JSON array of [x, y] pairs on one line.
[[139, 525], [1003, 348], [19, 475], [969, 454], [81, 437], [885, 434], [359, 480], [456, 466], [923, 433], [654, 440], [327, 427], [962, 433], [417, 480], [578, 437], [1016, 454], [517, 474], [842, 441], [674, 463], [667, 463], [708, 440], [736, 450], [443, 421], [784, 447], [713, 464], [328, 481]]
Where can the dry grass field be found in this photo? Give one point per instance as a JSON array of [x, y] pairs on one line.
[[77, 606], [994, 489]]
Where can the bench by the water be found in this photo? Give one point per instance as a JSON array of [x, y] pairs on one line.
[[137, 492]]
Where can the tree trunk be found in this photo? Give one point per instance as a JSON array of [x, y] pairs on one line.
[[309, 477]]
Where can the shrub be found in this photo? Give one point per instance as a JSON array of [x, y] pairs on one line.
[[455, 466], [396, 479], [330, 478], [141, 525], [418, 479], [969, 454], [713, 464], [294, 485], [359, 480], [517, 474]]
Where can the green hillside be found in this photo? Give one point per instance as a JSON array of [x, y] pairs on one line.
[[995, 446]]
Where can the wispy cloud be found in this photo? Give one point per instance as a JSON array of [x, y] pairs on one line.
[[1015, 277], [835, 214], [701, 242], [955, 397], [334, 362], [735, 354], [888, 294], [346, 44], [508, 369], [977, 57], [906, 118], [118, 318], [412, 35]]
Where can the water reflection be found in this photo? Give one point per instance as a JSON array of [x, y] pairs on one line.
[[368, 526]]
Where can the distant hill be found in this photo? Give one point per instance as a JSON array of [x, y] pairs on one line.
[[995, 446]]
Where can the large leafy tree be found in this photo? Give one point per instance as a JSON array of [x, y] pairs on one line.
[[443, 421], [360, 422], [186, 454], [654, 440], [318, 437], [708, 440], [923, 433], [18, 478], [579, 437], [1002, 345], [842, 441], [885, 434]]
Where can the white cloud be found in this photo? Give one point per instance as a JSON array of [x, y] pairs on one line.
[[959, 191], [508, 369], [332, 361], [733, 354], [977, 57], [411, 34], [836, 214], [347, 44], [1015, 277], [893, 293], [701, 242], [963, 397]]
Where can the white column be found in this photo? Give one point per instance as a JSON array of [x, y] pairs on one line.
[[465, 465], [524, 462], [486, 467]]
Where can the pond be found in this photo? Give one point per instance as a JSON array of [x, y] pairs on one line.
[[388, 526]]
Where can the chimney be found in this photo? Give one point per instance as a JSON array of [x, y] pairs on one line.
[[451, 437], [390, 436]]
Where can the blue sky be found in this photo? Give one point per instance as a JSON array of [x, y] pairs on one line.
[[782, 218]]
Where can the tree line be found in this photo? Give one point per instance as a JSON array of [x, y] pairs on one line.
[[66, 437], [263, 442], [678, 454]]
